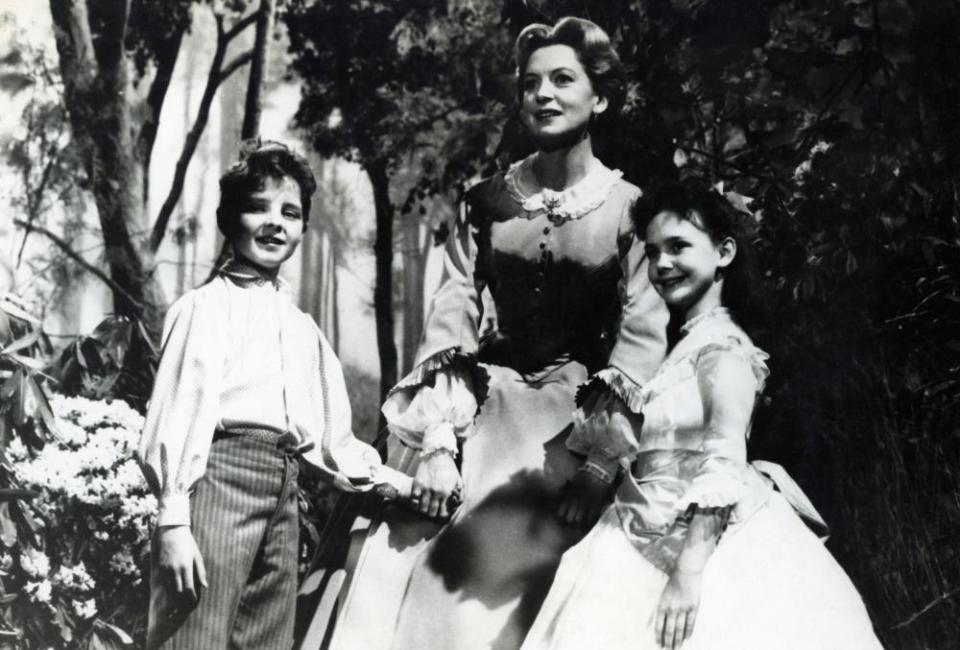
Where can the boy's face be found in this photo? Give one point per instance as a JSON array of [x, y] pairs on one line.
[[270, 224]]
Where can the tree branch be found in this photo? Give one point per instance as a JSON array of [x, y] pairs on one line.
[[245, 22], [216, 75], [65, 247], [936, 601], [166, 61], [235, 65]]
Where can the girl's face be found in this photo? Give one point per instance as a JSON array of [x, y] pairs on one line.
[[558, 98], [683, 261], [270, 225]]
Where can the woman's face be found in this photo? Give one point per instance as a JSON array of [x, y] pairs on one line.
[[684, 259], [270, 224], [557, 96]]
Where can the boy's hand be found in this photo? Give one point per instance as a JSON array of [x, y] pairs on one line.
[[180, 562], [583, 500], [436, 479]]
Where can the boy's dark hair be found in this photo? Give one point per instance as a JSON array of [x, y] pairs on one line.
[[593, 48], [709, 210], [260, 160]]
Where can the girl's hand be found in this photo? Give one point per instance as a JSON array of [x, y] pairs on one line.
[[583, 500], [181, 562], [677, 612], [436, 480]]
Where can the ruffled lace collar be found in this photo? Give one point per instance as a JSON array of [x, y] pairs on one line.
[[710, 331], [572, 203], [710, 314]]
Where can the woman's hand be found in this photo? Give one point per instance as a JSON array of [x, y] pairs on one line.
[[677, 612], [436, 480], [583, 499], [181, 564]]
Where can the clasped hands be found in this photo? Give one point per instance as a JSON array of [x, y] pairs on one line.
[[437, 486]]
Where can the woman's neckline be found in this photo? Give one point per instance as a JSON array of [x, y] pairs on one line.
[[528, 184]]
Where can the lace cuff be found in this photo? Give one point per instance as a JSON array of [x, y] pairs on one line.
[[605, 439], [601, 468], [439, 438], [433, 405], [719, 483], [611, 379]]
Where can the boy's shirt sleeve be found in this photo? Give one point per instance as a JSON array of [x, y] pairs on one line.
[[184, 406], [346, 461]]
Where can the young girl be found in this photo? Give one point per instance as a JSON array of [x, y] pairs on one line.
[[246, 385], [699, 548]]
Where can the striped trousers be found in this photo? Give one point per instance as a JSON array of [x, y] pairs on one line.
[[245, 521]]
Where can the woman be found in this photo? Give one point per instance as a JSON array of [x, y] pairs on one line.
[[698, 550], [551, 239]]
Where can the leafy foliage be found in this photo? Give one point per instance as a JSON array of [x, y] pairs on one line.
[[117, 359]]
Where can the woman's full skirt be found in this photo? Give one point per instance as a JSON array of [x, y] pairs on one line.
[[479, 581]]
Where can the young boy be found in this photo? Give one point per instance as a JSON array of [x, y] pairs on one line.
[[246, 384]]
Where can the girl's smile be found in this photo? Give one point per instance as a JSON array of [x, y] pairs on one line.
[[684, 262]]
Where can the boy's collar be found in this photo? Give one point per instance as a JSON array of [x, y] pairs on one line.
[[245, 273]]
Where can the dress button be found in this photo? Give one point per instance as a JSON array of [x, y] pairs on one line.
[[546, 230], [543, 245]]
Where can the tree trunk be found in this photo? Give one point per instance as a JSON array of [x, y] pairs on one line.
[[316, 279], [254, 103], [306, 268], [383, 289], [335, 297], [414, 265], [98, 93]]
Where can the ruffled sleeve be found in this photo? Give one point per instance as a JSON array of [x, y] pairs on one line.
[[639, 349], [435, 403], [729, 376], [184, 406]]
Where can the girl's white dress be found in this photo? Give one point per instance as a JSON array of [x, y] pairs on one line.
[[770, 583]]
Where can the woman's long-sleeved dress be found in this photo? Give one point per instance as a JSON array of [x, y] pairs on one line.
[[573, 305], [769, 584]]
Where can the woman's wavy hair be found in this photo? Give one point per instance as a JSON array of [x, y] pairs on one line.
[[594, 51], [260, 160], [710, 211]]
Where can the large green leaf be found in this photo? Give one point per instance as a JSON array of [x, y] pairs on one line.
[[15, 307], [8, 529], [22, 343]]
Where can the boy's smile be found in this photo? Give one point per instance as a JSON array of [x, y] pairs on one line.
[[270, 226]]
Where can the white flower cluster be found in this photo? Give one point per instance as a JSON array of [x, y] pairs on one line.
[[92, 462], [92, 490], [34, 562], [74, 577], [39, 591]]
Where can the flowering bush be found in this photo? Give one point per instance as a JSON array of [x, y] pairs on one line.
[[84, 583]]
